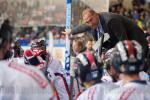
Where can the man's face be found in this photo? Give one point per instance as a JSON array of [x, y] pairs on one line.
[[91, 19], [89, 45]]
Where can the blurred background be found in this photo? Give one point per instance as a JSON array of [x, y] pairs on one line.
[[35, 18], [40, 18]]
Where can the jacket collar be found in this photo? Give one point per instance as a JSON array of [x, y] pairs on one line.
[[103, 23]]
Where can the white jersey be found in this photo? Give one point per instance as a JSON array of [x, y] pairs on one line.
[[19, 60], [106, 78], [96, 92], [143, 76], [60, 79], [119, 83], [18, 82], [131, 91]]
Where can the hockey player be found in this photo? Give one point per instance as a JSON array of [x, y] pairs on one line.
[[127, 60], [60, 78], [56, 73], [54, 70], [35, 58], [34, 45], [18, 82], [109, 74], [42, 43], [89, 73], [38, 44]]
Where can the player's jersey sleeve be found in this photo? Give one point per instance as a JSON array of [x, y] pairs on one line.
[[20, 82]]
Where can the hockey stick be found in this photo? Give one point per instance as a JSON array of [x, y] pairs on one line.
[[68, 45]]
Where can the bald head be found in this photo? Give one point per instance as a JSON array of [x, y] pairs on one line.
[[90, 17], [88, 10]]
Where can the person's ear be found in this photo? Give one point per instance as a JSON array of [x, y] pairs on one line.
[[110, 71], [6, 45]]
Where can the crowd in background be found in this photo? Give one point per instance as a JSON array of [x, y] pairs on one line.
[[26, 35], [90, 68], [140, 13]]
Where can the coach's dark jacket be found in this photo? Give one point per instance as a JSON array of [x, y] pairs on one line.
[[119, 28]]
